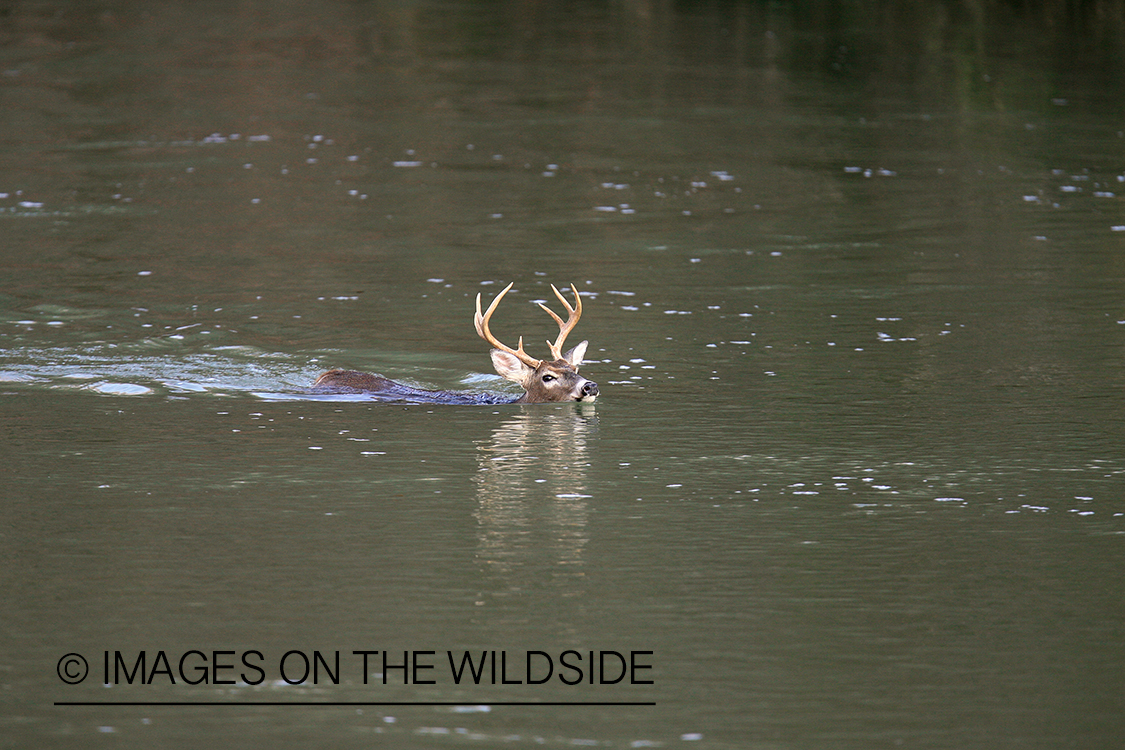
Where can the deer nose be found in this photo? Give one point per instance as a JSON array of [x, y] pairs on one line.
[[590, 388]]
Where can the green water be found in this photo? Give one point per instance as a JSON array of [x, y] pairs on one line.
[[853, 285]]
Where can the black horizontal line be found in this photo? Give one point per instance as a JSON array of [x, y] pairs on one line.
[[355, 703]]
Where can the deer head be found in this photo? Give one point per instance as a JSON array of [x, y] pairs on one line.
[[556, 379]]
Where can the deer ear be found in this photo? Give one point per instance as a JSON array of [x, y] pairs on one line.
[[509, 366], [575, 355]]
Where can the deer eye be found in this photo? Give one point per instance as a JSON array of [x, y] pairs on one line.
[[548, 378]]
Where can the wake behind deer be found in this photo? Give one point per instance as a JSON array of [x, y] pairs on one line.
[[543, 380]]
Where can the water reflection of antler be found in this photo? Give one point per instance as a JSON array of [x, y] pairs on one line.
[[532, 499]]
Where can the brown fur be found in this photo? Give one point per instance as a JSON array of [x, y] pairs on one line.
[[352, 380]]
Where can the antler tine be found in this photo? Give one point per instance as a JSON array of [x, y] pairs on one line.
[[480, 320], [573, 314]]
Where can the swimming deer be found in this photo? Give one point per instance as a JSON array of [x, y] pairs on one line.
[[543, 380]]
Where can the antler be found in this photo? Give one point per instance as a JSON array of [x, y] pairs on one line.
[[480, 320], [573, 314], [481, 323]]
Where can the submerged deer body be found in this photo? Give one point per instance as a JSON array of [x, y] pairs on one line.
[[543, 380]]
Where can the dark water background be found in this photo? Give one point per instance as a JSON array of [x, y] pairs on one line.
[[854, 278]]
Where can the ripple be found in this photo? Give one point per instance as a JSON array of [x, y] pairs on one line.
[[121, 389]]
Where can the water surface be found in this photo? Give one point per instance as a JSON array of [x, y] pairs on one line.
[[853, 288]]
